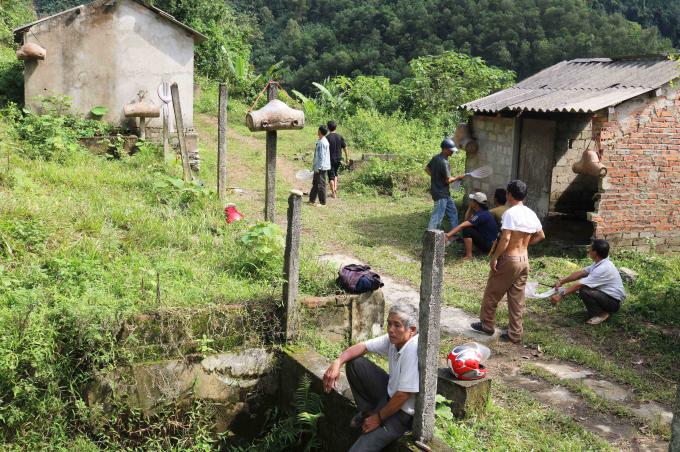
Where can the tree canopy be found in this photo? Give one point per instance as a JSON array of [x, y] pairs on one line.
[[318, 38]]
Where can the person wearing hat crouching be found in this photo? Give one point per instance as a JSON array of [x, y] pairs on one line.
[[599, 287], [439, 171], [480, 229], [386, 401]]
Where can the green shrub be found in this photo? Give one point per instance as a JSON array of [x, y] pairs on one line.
[[410, 140], [176, 192], [47, 137], [260, 252]]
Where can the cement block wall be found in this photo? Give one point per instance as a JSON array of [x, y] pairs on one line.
[[640, 196], [496, 140], [152, 50], [570, 192], [104, 55]]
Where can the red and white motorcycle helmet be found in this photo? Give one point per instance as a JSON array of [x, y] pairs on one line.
[[465, 361]]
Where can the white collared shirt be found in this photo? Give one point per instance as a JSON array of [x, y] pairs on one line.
[[403, 367], [605, 277]]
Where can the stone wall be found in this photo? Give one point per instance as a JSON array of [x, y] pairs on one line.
[[639, 205], [238, 385], [572, 193], [496, 139]]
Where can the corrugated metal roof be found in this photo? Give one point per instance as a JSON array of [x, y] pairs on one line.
[[198, 37], [581, 86]]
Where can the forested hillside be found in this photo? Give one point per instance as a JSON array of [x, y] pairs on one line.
[[320, 38], [663, 14]]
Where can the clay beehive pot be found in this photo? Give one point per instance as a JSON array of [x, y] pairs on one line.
[[463, 139], [276, 115], [143, 109], [31, 51], [589, 165]]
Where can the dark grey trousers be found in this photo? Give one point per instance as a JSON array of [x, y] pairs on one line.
[[318, 187], [369, 388], [597, 302]]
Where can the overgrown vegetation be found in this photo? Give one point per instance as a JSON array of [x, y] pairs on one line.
[[87, 246], [524, 36], [12, 14]]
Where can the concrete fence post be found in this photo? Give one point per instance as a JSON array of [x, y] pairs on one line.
[[674, 445], [432, 273], [222, 143], [291, 266], [270, 184]]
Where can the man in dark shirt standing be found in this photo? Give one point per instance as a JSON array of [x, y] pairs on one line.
[[440, 177], [337, 145], [480, 229]]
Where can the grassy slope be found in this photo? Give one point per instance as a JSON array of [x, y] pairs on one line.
[[386, 232]]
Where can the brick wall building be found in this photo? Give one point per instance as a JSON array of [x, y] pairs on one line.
[[626, 110]]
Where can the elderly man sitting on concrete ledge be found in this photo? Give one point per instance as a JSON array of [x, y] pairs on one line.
[[386, 402]]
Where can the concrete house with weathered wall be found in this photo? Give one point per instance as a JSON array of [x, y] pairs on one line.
[[105, 53], [626, 110]]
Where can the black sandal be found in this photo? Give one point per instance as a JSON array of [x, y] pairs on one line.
[[477, 326]]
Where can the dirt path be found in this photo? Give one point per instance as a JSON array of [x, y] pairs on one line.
[[555, 384]]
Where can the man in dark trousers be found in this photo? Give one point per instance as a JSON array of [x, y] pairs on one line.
[[600, 286], [320, 167], [440, 178], [337, 145], [386, 400], [479, 229]]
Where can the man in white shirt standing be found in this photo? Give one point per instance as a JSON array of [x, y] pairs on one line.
[[510, 265], [386, 401], [600, 286]]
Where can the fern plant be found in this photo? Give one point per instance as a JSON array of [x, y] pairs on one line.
[[295, 432]]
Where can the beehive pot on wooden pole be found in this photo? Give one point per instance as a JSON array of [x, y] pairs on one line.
[[142, 110], [179, 121], [222, 143], [274, 116]]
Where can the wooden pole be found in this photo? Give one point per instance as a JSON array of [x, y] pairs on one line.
[[179, 122], [431, 285], [270, 188], [222, 143], [291, 266], [167, 151], [142, 128]]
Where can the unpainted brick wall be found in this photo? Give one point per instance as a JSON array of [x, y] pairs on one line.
[[570, 192], [495, 137], [640, 196]]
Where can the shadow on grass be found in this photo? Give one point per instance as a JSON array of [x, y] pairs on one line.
[[403, 231]]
